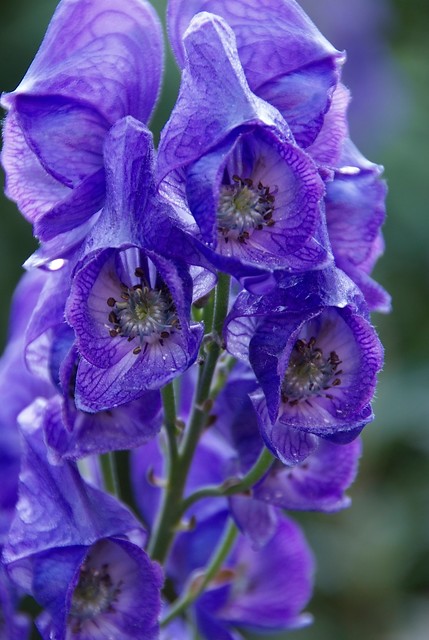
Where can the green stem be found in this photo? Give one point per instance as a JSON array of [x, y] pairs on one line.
[[212, 569], [170, 512], [169, 403], [255, 474], [108, 468]]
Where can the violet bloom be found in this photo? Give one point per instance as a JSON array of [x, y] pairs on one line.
[[289, 64], [99, 61], [129, 306], [231, 158], [314, 353], [286, 60], [250, 592], [78, 551], [130, 312], [315, 474]]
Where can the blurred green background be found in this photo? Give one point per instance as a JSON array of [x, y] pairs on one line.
[[373, 559]]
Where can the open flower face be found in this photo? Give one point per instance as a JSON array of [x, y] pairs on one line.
[[113, 577], [256, 199], [236, 168], [326, 373], [131, 318]]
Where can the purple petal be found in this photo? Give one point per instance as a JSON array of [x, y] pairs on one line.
[[318, 484], [55, 507], [285, 58], [255, 519], [203, 116], [264, 597], [108, 55]]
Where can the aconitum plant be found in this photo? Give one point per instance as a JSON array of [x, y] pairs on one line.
[[191, 355]]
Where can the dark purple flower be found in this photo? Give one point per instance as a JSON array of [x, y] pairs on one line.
[[129, 306], [326, 367], [286, 60], [250, 591], [108, 579], [314, 474], [130, 312], [78, 551], [98, 62], [314, 353], [255, 195]]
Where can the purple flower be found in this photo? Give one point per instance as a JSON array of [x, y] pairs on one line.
[[130, 311], [78, 551], [129, 306], [98, 62], [253, 192], [286, 60], [314, 353], [250, 592], [314, 476]]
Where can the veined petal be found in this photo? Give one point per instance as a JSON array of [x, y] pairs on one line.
[[286, 59], [109, 55]]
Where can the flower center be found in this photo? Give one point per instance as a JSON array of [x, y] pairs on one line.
[[242, 208], [309, 373], [144, 313], [94, 594]]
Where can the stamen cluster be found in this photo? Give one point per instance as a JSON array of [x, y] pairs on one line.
[[94, 594], [309, 373], [144, 313], [244, 208]]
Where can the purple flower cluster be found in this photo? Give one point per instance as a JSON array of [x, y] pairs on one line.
[[240, 398]]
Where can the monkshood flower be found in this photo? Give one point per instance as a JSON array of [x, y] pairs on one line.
[[304, 87], [250, 592], [316, 474], [99, 61], [231, 158], [129, 306], [315, 356], [78, 551], [286, 59]]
